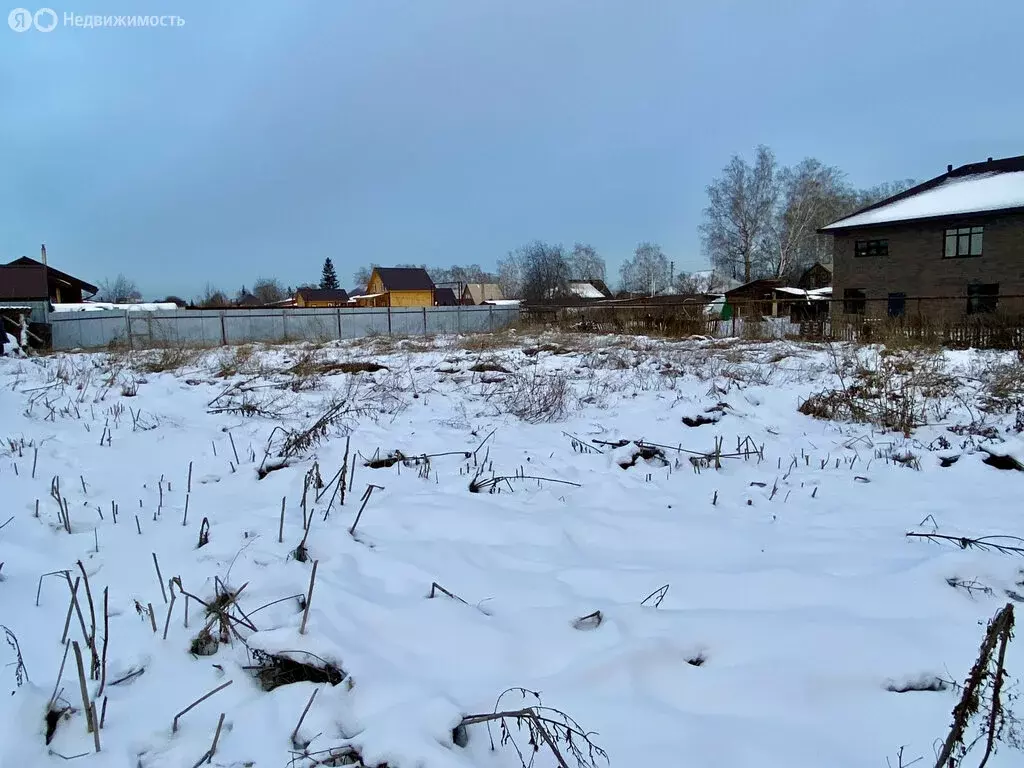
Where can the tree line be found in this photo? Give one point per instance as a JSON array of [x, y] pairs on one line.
[[762, 218]]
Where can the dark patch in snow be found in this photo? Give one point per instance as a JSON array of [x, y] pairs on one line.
[[1002, 462], [53, 718], [590, 621], [488, 368], [275, 670], [647, 453], [710, 416], [271, 466]]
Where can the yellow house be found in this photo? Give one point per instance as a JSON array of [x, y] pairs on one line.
[[398, 287], [321, 297]]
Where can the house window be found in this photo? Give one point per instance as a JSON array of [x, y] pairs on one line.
[[897, 304], [962, 242], [854, 301], [865, 248], [982, 298]]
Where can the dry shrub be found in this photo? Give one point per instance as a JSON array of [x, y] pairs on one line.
[[891, 391], [231, 362], [169, 359], [309, 365], [536, 397], [1002, 386], [487, 342]]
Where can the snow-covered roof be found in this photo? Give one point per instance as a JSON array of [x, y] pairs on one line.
[[813, 294], [503, 302], [584, 290], [96, 306], [976, 193]]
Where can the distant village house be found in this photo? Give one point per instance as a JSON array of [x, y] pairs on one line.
[[398, 287], [479, 293], [321, 297]]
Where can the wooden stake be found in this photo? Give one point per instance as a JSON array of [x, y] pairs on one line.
[[86, 707], [96, 726], [60, 674], [170, 610], [309, 598], [71, 608], [295, 733], [159, 578], [216, 738], [197, 702], [106, 638], [280, 525], [152, 617]]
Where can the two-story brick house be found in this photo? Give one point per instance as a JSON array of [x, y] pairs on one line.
[[953, 245]]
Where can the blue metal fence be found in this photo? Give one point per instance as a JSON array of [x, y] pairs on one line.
[[212, 327]]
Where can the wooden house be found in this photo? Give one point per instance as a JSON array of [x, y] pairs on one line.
[[478, 293], [398, 287], [321, 297]]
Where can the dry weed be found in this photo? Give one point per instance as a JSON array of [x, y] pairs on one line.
[[536, 397]]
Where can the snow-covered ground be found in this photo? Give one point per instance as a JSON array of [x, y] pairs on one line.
[[794, 601]]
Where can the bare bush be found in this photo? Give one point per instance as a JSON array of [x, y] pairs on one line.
[[241, 359], [168, 359], [1002, 387], [536, 397], [893, 391], [545, 727]]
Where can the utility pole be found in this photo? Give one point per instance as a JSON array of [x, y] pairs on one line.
[[46, 277]]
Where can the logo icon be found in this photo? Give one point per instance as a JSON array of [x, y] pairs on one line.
[[45, 19], [20, 19]]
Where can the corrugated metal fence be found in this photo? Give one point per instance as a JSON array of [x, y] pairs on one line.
[[211, 327]]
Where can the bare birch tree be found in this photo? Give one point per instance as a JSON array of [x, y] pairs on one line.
[[585, 263], [647, 272], [811, 195], [738, 218]]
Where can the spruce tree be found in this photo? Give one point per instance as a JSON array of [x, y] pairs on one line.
[[329, 278]]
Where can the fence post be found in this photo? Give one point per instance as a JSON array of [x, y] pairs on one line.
[[338, 310], [223, 330], [284, 325], [389, 319], [128, 323], [424, 321], [458, 319], [490, 318]]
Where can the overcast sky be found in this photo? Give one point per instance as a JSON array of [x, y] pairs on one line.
[[261, 137]]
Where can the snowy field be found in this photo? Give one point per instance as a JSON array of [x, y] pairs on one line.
[[739, 592]]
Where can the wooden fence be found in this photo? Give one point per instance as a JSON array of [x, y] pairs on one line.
[[997, 323]]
